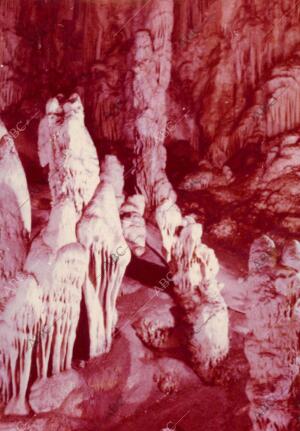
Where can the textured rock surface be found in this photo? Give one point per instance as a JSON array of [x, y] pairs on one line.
[[100, 232], [19, 327], [133, 223], [272, 346], [194, 267], [15, 210], [66, 146], [152, 65], [60, 266]]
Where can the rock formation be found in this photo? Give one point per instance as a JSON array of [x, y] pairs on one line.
[[113, 172], [59, 264], [47, 134], [100, 232], [133, 223], [152, 66], [15, 210], [271, 346], [20, 313], [168, 218], [66, 146], [195, 267]]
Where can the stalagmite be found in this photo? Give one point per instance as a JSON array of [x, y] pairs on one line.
[[113, 172], [21, 300], [15, 210], [100, 232], [195, 267], [168, 218], [133, 223], [152, 70], [152, 75], [47, 133], [66, 145], [271, 346], [60, 267], [263, 255]]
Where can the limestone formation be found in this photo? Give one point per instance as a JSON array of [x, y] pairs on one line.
[[195, 267], [152, 75], [47, 132], [133, 223], [168, 218], [66, 146], [59, 264], [15, 210], [113, 172], [271, 346], [21, 302], [263, 255], [100, 232]]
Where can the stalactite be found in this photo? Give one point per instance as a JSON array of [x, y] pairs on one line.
[[283, 113], [276, 110]]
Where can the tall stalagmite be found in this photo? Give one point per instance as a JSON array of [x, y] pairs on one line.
[[152, 68], [272, 346]]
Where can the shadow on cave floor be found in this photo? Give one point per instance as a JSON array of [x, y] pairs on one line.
[[146, 272]]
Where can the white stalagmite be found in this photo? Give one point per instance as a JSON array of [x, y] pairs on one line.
[[15, 210], [133, 223], [168, 218], [100, 232], [21, 300], [60, 266], [195, 267], [46, 132], [152, 68], [272, 346], [66, 145], [263, 255], [113, 172], [152, 71]]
